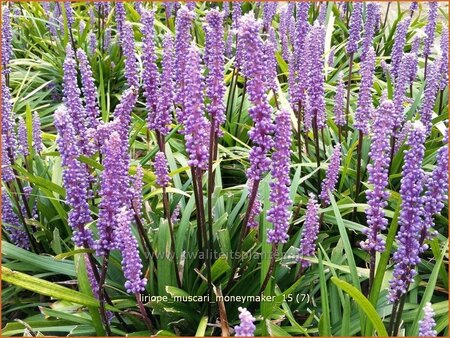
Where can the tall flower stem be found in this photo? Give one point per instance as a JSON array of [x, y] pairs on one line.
[[253, 194], [386, 16], [172, 235], [101, 293], [425, 68], [212, 151], [349, 82], [108, 300], [197, 206], [145, 317], [273, 257]]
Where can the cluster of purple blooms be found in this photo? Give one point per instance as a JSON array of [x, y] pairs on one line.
[[246, 328], [310, 232]]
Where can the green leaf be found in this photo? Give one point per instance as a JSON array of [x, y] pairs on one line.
[[202, 327], [364, 305]]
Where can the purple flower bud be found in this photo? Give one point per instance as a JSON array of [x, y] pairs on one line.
[[246, 328], [166, 91], [285, 17], [430, 27], [11, 223], [427, 324], [182, 44], [377, 195], [330, 60], [260, 111], [150, 76], [431, 89], [339, 116], [89, 90], [128, 245], [310, 231], [127, 44], [315, 107], [400, 91], [279, 213], [91, 277], [196, 126], [331, 178], [91, 16], [214, 61], [107, 39], [355, 27], [292, 82], [7, 51], [22, 137], [399, 45], [413, 61], [161, 171], [138, 7], [373, 16], [364, 109], [407, 255], [75, 179], [190, 5], [81, 28], [122, 112]]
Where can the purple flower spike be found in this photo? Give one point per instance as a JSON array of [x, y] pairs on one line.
[[127, 44], [309, 233], [269, 10], [11, 223], [167, 90], [7, 50], [279, 213], [430, 27], [69, 14], [161, 171], [363, 112], [436, 193], [246, 328], [427, 324], [413, 7], [8, 133], [399, 45], [89, 90], [196, 125], [214, 60], [138, 184], [271, 65], [22, 137], [73, 102], [315, 107], [122, 112], [373, 16], [7, 172], [120, 16], [301, 28], [431, 89], [128, 245], [332, 175], [175, 218], [339, 116], [285, 17], [90, 274], [150, 76], [378, 177], [75, 178], [400, 91], [355, 27], [407, 255], [413, 61], [260, 111], [182, 44], [92, 38], [37, 133], [444, 59], [114, 191]]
